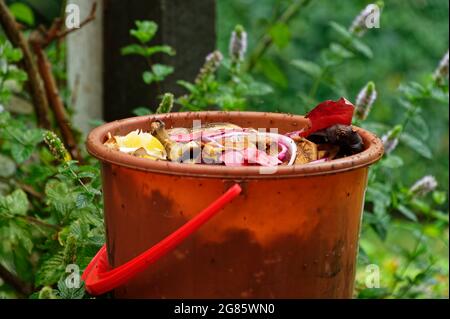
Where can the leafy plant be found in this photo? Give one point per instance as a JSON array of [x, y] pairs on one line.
[[231, 90], [50, 207], [144, 33]]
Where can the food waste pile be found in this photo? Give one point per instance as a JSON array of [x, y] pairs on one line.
[[328, 136]]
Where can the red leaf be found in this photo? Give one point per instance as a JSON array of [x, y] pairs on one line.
[[329, 113]]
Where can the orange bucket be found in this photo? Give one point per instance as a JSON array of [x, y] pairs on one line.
[[289, 234]]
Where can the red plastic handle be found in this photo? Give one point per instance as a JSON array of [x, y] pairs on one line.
[[99, 279]]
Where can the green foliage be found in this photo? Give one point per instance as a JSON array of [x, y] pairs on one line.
[[280, 34], [144, 33], [141, 111], [23, 13], [166, 105], [157, 74], [9, 72], [50, 206]]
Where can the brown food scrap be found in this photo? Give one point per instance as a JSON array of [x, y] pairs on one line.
[[111, 142], [306, 151], [345, 136], [140, 152], [176, 152], [328, 151]]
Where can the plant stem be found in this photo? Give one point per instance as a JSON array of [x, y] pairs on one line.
[[266, 41], [158, 85], [55, 100], [37, 92], [39, 222], [78, 179], [15, 282]]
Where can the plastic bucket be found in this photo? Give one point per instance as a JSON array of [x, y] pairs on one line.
[[290, 234]]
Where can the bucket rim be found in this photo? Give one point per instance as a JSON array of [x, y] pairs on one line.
[[94, 145]]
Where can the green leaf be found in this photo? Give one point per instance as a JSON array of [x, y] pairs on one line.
[[134, 49], [407, 212], [17, 75], [374, 293], [230, 103], [420, 127], [7, 166], [377, 223], [413, 90], [60, 196], [440, 95], [354, 43], [362, 48], [255, 88], [4, 118], [83, 200], [160, 71], [22, 262], [312, 69], [280, 34], [51, 270], [13, 55], [378, 194], [340, 51], [47, 293], [65, 292], [142, 111], [392, 161], [145, 31], [22, 13], [273, 72], [148, 77], [420, 205], [32, 137], [79, 229], [20, 153], [439, 197], [19, 235], [188, 86], [15, 204], [416, 145], [160, 49], [341, 30]]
